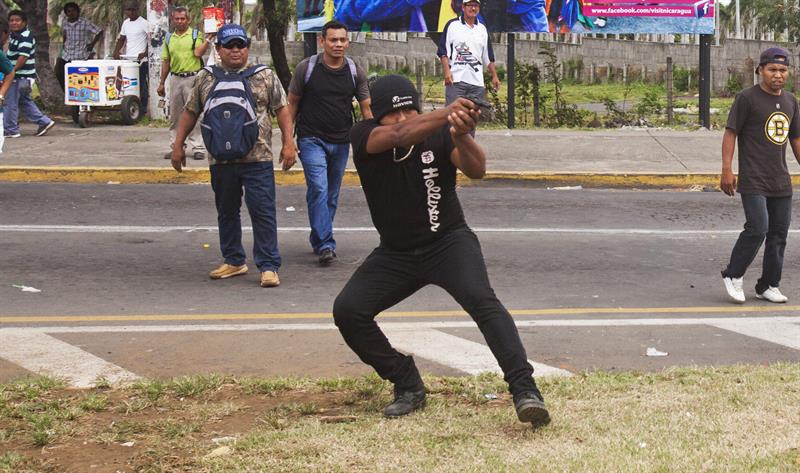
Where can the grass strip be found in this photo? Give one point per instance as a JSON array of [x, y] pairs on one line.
[[732, 419]]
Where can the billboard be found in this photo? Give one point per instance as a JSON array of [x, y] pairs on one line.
[[533, 16]]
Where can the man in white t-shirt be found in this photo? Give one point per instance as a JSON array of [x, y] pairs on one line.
[[134, 36], [465, 49]]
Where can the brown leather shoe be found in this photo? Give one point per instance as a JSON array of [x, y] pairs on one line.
[[226, 270], [270, 279]]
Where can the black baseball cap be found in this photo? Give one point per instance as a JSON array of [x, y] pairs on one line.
[[390, 93], [774, 56]]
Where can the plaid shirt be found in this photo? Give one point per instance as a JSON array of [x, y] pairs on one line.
[[77, 36]]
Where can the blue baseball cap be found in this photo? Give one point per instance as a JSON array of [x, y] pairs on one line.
[[231, 32]]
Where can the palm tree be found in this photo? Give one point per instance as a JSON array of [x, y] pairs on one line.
[[276, 18]]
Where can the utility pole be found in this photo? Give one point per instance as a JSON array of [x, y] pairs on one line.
[[510, 60], [705, 80], [158, 21], [309, 44]]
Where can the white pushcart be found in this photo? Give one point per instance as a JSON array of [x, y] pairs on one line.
[[107, 83]]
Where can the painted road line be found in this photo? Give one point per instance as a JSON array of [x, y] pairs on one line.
[[42, 354], [778, 332], [448, 350], [726, 309], [200, 228], [436, 325]]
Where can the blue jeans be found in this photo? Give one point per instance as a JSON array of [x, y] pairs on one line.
[[258, 182], [19, 99], [323, 166], [767, 218]]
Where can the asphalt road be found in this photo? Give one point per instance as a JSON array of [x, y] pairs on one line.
[[594, 279]]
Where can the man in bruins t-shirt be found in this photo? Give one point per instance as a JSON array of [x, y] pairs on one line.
[[407, 163], [764, 118]]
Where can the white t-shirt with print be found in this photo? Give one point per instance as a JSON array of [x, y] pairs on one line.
[[467, 49], [135, 33]]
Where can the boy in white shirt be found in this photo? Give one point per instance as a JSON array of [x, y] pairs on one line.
[[134, 35]]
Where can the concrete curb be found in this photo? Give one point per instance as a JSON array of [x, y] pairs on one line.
[[146, 175]]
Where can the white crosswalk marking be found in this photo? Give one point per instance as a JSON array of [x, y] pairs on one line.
[[33, 349], [455, 352], [42, 354], [779, 332]]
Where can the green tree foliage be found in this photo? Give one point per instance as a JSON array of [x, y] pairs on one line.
[[759, 17]]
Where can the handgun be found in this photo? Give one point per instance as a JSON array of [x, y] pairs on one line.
[[487, 112]]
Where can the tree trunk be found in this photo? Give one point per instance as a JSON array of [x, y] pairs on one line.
[[276, 32], [50, 91], [4, 10]]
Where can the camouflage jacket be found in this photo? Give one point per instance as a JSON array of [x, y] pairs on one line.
[[269, 95]]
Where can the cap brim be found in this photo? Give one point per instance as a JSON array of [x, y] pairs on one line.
[[233, 38]]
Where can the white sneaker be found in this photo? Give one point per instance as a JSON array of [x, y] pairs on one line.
[[773, 294], [734, 288]]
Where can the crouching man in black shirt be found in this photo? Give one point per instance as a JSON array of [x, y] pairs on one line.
[[407, 163]]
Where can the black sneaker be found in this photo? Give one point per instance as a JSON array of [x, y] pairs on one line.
[[405, 402], [326, 257], [43, 129], [530, 408]]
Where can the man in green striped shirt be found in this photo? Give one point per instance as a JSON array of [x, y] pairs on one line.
[[22, 52]]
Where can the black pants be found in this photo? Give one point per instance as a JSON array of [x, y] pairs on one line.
[[144, 89], [454, 263], [58, 69], [767, 217]]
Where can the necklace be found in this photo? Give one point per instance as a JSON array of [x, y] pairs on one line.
[[394, 152]]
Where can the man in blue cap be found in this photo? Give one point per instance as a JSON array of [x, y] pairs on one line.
[[241, 104], [764, 119]]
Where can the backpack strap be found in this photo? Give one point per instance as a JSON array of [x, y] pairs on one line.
[[253, 70], [216, 71], [195, 35], [353, 72], [312, 63]]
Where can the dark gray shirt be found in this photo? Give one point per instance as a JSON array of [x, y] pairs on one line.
[[764, 124]]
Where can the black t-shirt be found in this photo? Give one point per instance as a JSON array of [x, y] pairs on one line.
[[326, 106], [764, 124], [412, 202]]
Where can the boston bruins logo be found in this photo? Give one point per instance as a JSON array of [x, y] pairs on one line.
[[777, 128]]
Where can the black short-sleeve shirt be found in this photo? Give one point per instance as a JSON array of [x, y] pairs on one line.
[[413, 202], [764, 124], [326, 105]]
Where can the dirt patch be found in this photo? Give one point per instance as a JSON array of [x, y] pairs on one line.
[[134, 434]]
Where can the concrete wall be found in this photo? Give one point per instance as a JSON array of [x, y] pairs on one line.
[[599, 57]]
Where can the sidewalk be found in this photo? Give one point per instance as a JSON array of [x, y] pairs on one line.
[[607, 158]]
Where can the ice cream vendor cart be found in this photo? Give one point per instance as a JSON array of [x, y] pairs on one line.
[[106, 83]]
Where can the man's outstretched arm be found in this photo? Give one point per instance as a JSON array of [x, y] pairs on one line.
[[407, 133]]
